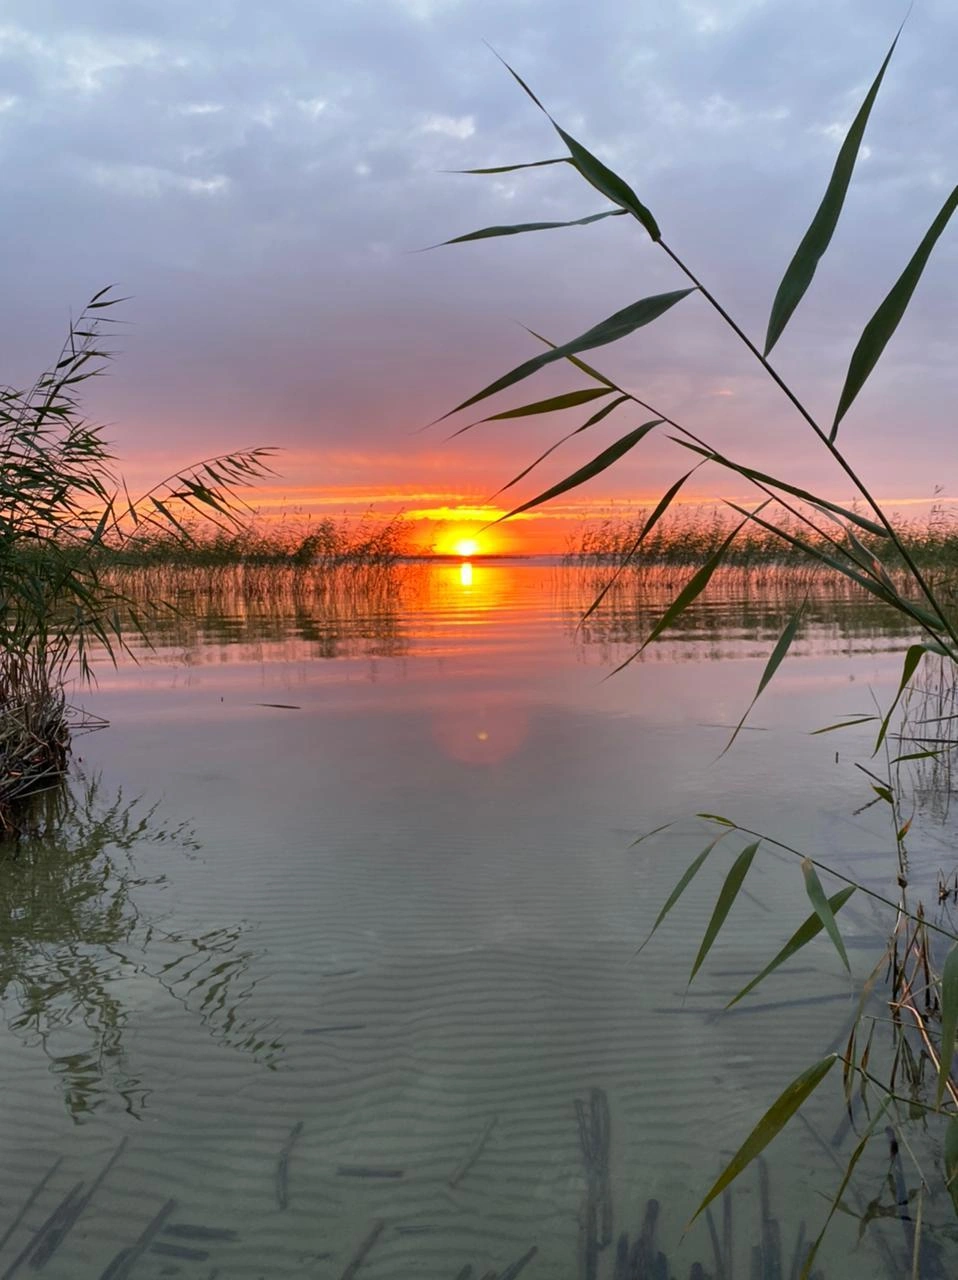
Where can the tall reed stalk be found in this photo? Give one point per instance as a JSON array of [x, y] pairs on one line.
[[61, 504], [860, 542]]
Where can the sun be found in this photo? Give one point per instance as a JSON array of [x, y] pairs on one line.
[[466, 547]]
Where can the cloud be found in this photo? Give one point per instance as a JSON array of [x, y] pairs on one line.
[[257, 176], [449, 126]]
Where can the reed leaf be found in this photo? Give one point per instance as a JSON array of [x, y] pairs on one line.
[[843, 1185], [777, 656], [951, 1160], [810, 928], [817, 238], [511, 168], [590, 422], [593, 170], [614, 327], [724, 903], [885, 321], [554, 404], [660, 509], [692, 589], [577, 363], [816, 896], [597, 465], [687, 877], [843, 724], [520, 228], [913, 656], [949, 1021], [760, 477], [770, 1125]]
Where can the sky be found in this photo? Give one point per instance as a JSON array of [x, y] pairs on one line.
[[258, 179]]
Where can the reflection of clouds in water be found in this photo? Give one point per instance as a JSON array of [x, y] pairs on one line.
[[485, 733], [79, 956]]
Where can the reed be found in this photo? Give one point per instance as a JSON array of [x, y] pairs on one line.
[[909, 571], [366, 542], [61, 505]]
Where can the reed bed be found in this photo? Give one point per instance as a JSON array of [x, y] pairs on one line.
[[691, 535], [367, 542], [60, 509]]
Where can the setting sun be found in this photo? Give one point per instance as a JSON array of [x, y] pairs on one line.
[[466, 547]]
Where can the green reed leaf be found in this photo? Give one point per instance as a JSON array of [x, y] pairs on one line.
[[688, 875], [843, 1185], [777, 656], [660, 509], [749, 473], [770, 1125], [520, 228], [949, 1021], [951, 1160], [554, 404], [869, 584], [843, 724], [579, 364], [724, 903], [885, 321], [614, 327], [604, 179], [810, 928], [511, 168], [692, 589], [816, 896], [817, 238], [913, 656], [593, 170], [590, 422], [647, 835], [598, 464]]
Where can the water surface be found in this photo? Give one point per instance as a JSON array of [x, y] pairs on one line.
[[339, 921]]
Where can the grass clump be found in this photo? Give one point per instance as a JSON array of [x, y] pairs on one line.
[[60, 506], [367, 542], [689, 535]]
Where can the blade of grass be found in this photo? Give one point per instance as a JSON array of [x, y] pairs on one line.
[[553, 404], [597, 465], [822, 906], [843, 1185], [689, 874], [885, 321], [777, 656], [592, 169], [949, 1021], [810, 928], [614, 327], [590, 422], [511, 168], [724, 903], [521, 228], [770, 1125], [817, 238]]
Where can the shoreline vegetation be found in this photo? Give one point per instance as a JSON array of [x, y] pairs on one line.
[[862, 543], [61, 504]]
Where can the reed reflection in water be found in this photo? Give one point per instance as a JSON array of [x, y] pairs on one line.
[[79, 937]]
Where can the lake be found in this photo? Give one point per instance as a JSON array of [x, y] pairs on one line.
[[327, 961]]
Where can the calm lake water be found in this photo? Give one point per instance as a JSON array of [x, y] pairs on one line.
[[339, 922]]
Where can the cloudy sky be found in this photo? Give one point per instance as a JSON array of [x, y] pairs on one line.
[[257, 178]]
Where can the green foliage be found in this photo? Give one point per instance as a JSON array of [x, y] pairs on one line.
[[858, 542], [60, 508]]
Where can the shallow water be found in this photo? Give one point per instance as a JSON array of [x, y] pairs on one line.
[[341, 915]]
